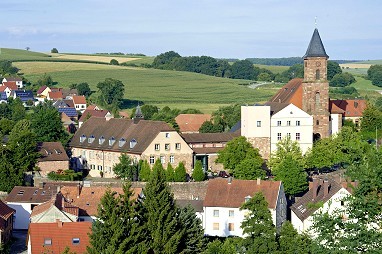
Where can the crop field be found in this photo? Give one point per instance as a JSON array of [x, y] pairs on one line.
[[95, 58]]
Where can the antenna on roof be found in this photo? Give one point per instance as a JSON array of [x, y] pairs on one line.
[[315, 21]]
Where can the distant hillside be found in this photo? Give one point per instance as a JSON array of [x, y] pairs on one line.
[[288, 61]]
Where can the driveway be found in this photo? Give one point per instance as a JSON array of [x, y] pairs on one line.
[[19, 246]]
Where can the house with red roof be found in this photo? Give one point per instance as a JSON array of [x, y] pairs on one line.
[[79, 102], [6, 222], [55, 237], [191, 123], [342, 110], [222, 215], [16, 80], [55, 96], [6, 90]]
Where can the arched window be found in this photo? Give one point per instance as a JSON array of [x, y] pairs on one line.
[[317, 99], [317, 74]]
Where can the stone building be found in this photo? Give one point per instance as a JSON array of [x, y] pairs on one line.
[[53, 157]]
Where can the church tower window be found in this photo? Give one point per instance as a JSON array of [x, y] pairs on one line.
[[317, 74], [317, 99]]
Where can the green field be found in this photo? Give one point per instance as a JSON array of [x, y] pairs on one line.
[[273, 68]]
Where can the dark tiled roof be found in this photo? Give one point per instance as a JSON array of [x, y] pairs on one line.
[[60, 104], [220, 193], [93, 112], [348, 108], [315, 48], [276, 107], [196, 204], [13, 79], [24, 95], [23, 194], [52, 151], [61, 235], [71, 112], [305, 207], [143, 132], [69, 103], [5, 211], [209, 137], [41, 89], [285, 94]]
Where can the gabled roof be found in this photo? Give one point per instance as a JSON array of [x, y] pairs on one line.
[[88, 198], [24, 95], [2, 88], [315, 48], [69, 92], [95, 113], [11, 85], [58, 201], [191, 122], [143, 132], [5, 211], [71, 112], [93, 107], [52, 151], [290, 93], [348, 108], [209, 137], [276, 107], [69, 102], [24, 194], [61, 235], [13, 79], [221, 193], [55, 95], [79, 99], [304, 207], [41, 89], [56, 89], [60, 104]]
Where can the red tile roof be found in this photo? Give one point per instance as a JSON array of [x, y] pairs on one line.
[[5, 213], [55, 95], [61, 235], [41, 89], [290, 93], [90, 197], [2, 88], [191, 122], [11, 84], [93, 112], [58, 201], [52, 151], [221, 193], [348, 108], [79, 99]]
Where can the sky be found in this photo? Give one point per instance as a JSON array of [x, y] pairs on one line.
[[350, 30]]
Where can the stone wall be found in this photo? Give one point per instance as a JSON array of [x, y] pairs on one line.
[[263, 144], [215, 167], [49, 166]]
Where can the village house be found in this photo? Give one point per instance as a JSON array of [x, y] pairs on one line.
[[53, 157], [79, 102], [191, 123], [6, 222], [342, 110], [16, 80], [25, 96], [222, 214], [99, 143], [324, 195], [6, 90], [55, 237]]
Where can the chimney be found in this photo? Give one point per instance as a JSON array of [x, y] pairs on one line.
[[315, 187], [59, 223], [258, 181], [326, 187]]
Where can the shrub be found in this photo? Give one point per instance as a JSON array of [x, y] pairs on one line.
[[198, 174]]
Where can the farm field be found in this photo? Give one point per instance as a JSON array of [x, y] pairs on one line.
[[273, 68], [95, 58]]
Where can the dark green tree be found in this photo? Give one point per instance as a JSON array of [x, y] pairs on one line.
[[290, 242], [145, 171], [333, 69], [209, 127], [6, 67], [170, 173], [45, 80], [163, 61], [194, 233], [198, 173], [111, 92], [226, 117], [342, 79], [126, 168], [243, 69], [54, 50], [9, 175], [371, 119], [251, 167], [374, 73], [46, 124], [114, 62], [83, 89], [180, 173], [295, 71], [17, 108], [147, 110], [258, 226], [286, 147], [6, 126], [159, 214], [228, 246]]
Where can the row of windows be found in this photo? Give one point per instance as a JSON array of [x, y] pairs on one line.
[[288, 135], [288, 123], [162, 159], [231, 213], [99, 167], [231, 226], [166, 147]]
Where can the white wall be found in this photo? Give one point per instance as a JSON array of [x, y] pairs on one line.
[[250, 115], [334, 123], [23, 212], [293, 114]]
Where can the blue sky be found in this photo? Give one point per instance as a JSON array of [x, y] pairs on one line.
[[218, 28]]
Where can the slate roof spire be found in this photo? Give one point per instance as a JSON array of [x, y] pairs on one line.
[[138, 114], [315, 48]]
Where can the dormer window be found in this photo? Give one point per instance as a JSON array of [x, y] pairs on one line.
[[133, 142], [91, 139], [111, 141], [101, 140], [122, 142], [82, 138], [247, 198]]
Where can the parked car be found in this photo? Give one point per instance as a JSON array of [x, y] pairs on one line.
[[223, 174]]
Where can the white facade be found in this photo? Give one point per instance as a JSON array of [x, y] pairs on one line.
[[293, 122], [255, 121], [23, 212], [335, 203], [335, 123]]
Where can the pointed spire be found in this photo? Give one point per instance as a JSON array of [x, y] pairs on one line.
[[138, 112], [315, 48]]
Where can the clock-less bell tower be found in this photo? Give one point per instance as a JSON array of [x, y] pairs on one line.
[[315, 98]]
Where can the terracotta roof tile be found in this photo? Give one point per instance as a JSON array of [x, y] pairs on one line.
[[61, 235], [60, 202], [289, 93], [11, 85], [55, 95], [41, 89], [348, 108], [79, 99], [191, 122], [52, 151], [14, 79], [221, 193], [69, 103], [2, 88], [93, 112], [5, 211]]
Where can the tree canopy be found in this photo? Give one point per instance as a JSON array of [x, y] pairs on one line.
[[110, 93]]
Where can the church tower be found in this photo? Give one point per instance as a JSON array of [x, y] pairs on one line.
[[315, 95]]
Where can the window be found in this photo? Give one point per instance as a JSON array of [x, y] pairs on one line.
[[91, 139], [82, 138], [317, 74], [47, 241], [99, 167], [111, 141], [172, 159], [279, 136], [215, 226], [258, 123], [298, 136], [342, 203], [167, 135], [288, 123], [317, 122], [216, 213], [231, 227], [122, 142], [317, 99], [297, 123], [101, 140], [162, 160], [157, 147], [247, 198], [76, 241], [167, 147], [231, 213], [92, 166], [278, 123], [152, 159], [288, 135], [177, 146], [133, 142]]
